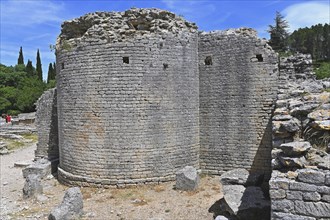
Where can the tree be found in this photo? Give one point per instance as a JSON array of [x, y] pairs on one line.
[[20, 57], [278, 33], [50, 72], [29, 68], [38, 66]]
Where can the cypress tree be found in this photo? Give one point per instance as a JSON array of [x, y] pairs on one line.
[[50, 72], [278, 33], [54, 68], [38, 66], [20, 57], [29, 68]]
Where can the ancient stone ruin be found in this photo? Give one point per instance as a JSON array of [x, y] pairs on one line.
[[142, 94]]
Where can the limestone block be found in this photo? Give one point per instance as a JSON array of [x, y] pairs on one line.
[[282, 205], [277, 194], [293, 162], [291, 125], [296, 148], [187, 179], [32, 186], [294, 195], [245, 203], [240, 177], [311, 176], [288, 216], [41, 167], [71, 206], [314, 209], [312, 196]]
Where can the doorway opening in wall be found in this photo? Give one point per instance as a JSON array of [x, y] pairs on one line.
[[126, 60]]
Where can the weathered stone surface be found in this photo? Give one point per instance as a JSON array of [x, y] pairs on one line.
[[322, 125], [317, 209], [291, 125], [71, 206], [319, 115], [298, 162], [311, 176], [245, 203], [288, 216], [240, 177], [32, 186], [294, 195], [282, 205], [221, 217], [282, 117], [302, 186], [296, 148], [41, 167], [312, 196], [326, 198], [187, 179], [277, 194]]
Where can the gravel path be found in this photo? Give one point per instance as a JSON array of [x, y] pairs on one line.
[[11, 179]]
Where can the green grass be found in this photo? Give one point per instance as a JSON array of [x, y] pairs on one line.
[[323, 71], [33, 137]]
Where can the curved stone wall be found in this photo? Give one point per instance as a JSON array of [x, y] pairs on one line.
[[128, 93], [238, 84]]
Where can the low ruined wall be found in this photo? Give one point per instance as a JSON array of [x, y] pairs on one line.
[[300, 182], [304, 194], [238, 83], [47, 126]]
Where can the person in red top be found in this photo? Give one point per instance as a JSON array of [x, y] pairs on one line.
[[8, 119]]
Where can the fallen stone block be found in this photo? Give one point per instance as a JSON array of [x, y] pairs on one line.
[[187, 179], [245, 203], [71, 206], [32, 186], [296, 148], [41, 167], [240, 177]]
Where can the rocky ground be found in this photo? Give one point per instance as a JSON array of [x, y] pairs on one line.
[[143, 202]]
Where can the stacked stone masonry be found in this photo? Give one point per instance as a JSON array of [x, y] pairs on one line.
[[47, 128], [141, 94]]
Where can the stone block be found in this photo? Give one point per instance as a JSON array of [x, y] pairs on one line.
[[326, 198], [313, 209], [279, 183], [71, 206], [305, 187], [277, 194], [294, 195], [312, 196], [240, 177], [296, 148], [282, 205], [41, 167], [311, 176], [32, 186], [187, 179], [289, 216]]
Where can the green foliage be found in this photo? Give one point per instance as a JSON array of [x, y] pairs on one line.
[[20, 59], [314, 40], [51, 84], [278, 33], [323, 71], [38, 66], [30, 90], [18, 89], [30, 69]]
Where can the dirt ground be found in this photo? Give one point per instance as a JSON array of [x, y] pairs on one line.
[[153, 202]]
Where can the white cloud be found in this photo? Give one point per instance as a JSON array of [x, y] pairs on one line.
[[29, 12], [307, 14]]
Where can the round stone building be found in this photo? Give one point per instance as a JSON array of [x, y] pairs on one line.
[[127, 96]]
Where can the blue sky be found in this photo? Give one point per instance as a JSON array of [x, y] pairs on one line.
[[35, 24]]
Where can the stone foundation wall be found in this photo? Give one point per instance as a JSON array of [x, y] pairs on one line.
[[238, 84]]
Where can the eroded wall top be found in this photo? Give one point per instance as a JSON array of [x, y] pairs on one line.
[[121, 26]]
